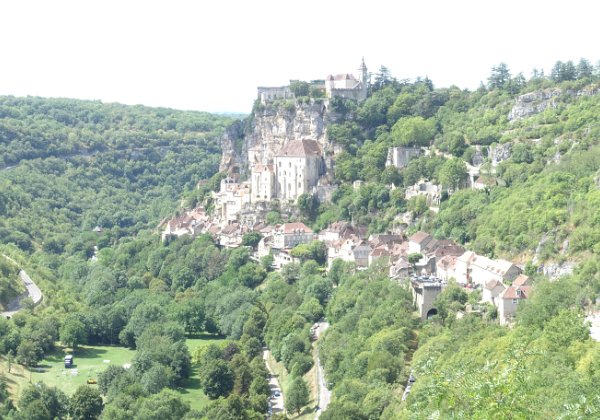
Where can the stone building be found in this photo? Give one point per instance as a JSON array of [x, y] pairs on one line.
[[347, 86], [267, 94], [262, 183], [400, 156], [478, 270], [509, 299], [231, 199], [424, 290], [298, 166], [343, 85], [288, 235]]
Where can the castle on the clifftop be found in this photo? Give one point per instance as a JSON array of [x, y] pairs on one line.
[[344, 85]]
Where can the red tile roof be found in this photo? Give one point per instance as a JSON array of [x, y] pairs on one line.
[[522, 280], [517, 292]]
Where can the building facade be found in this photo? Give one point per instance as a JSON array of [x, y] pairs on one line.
[[297, 167]]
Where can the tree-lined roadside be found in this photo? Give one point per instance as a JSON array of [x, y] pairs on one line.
[[324, 396], [33, 292]]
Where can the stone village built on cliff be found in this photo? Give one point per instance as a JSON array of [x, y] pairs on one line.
[[285, 158]]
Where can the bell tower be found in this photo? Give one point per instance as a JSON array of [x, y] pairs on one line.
[[363, 77]]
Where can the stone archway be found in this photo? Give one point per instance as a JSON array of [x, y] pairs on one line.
[[431, 312]]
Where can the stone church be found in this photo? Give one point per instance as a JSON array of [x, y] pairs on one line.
[[294, 170]]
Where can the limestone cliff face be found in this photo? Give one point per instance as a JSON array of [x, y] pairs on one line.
[[535, 102], [231, 146], [269, 128]]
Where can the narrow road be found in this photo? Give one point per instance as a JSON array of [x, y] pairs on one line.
[[33, 291], [275, 403], [324, 392]]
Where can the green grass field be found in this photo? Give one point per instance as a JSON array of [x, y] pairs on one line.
[[191, 392], [89, 361]]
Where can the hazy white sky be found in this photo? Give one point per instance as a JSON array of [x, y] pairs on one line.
[[210, 55]]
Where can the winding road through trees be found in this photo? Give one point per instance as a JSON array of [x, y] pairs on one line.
[[276, 400], [324, 392], [33, 291]]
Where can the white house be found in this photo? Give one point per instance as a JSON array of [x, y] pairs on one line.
[[491, 291], [418, 241], [477, 269]]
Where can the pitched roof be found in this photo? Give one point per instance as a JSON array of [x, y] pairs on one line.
[[380, 252], [446, 247], [337, 227], [420, 237], [230, 229], [468, 257], [522, 280], [343, 76], [493, 284], [262, 168], [517, 292], [300, 148], [494, 266], [297, 227], [447, 261]]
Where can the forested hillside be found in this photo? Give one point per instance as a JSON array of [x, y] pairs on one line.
[[80, 178], [75, 165]]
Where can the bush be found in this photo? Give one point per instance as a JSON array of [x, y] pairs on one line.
[[301, 363]]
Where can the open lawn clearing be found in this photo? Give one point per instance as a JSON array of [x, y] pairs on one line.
[[88, 362], [191, 392]]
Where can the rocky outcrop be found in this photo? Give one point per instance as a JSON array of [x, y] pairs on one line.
[[534, 103], [270, 127], [232, 158], [478, 156], [499, 153], [555, 270]]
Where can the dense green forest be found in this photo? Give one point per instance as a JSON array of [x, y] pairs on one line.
[[10, 287], [83, 186]]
